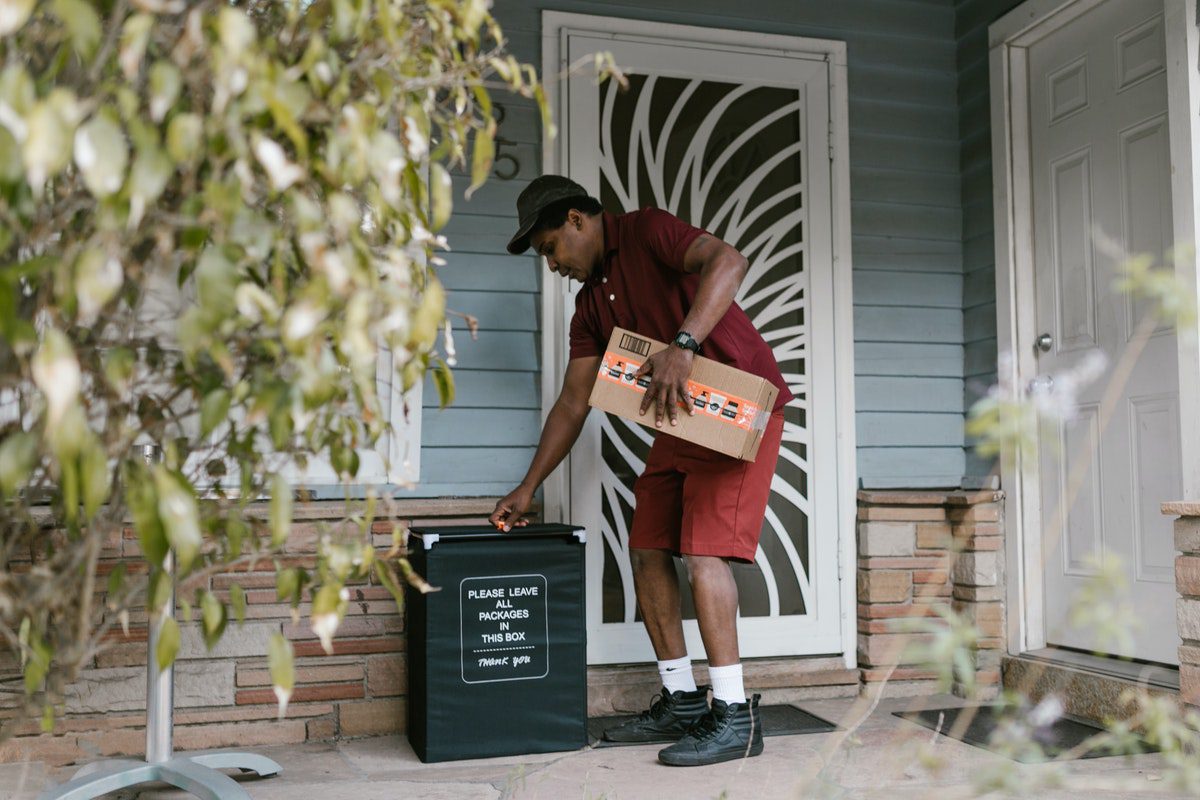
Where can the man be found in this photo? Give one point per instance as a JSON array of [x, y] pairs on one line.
[[652, 273]]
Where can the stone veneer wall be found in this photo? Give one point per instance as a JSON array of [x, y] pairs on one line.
[[224, 698], [918, 549], [1187, 606]]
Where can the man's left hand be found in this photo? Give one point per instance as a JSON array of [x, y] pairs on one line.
[[668, 370]]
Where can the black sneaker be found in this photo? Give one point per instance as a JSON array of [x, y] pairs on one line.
[[670, 716], [726, 732]]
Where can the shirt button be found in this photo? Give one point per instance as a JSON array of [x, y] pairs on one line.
[[612, 297], [604, 280]]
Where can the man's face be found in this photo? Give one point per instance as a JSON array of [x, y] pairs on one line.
[[568, 249]]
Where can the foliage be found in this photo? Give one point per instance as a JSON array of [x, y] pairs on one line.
[[214, 217]]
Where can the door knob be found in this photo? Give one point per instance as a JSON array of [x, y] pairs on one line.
[[1044, 342]]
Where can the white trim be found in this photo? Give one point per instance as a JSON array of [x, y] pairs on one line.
[[1008, 39], [1183, 100], [555, 155]]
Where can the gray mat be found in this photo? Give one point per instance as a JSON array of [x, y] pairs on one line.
[[1044, 743], [779, 720]]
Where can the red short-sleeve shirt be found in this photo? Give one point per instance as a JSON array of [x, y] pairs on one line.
[[642, 286]]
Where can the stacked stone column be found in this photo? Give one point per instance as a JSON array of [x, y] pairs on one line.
[[1187, 605], [917, 550]]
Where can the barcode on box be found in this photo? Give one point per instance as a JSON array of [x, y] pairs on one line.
[[633, 344]]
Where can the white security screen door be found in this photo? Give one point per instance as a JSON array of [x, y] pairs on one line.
[[1101, 164], [735, 141]]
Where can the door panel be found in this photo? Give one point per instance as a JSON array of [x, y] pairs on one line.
[[1101, 173], [736, 143]]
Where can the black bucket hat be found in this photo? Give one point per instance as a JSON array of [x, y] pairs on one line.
[[542, 192]]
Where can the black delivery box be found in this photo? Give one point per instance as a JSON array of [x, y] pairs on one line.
[[497, 661]]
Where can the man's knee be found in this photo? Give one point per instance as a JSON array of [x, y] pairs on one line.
[[645, 559], [704, 565]]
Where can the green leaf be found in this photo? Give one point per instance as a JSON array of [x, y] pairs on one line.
[[235, 534], [185, 134], [216, 282], [98, 278], [236, 31], [180, 517], [441, 194], [383, 571], [37, 663], [158, 594], [102, 155], [134, 38], [443, 378], [165, 83], [168, 643], [50, 127], [283, 672], [281, 511], [481, 159], [237, 601], [18, 455], [93, 473], [116, 581], [328, 600], [119, 363], [213, 410], [212, 618], [82, 24], [151, 172], [288, 585], [143, 504]]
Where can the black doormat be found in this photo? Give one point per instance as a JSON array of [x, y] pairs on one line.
[[1041, 744], [780, 720]]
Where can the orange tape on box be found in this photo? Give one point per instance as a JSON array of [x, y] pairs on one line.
[[620, 369]]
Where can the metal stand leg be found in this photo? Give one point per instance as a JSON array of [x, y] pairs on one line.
[[196, 773]]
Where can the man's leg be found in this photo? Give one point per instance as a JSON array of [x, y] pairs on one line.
[[657, 586], [716, 597]]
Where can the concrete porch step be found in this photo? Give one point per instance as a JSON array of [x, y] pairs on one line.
[[625, 688], [1089, 686]]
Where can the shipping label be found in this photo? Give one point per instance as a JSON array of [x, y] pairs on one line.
[[620, 369]]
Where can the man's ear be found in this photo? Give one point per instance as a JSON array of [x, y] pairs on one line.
[[575, 218]]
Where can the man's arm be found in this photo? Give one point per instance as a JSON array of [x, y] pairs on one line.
[[562, 428], [722, 269]]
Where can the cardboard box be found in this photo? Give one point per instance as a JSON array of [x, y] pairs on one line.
[[732, 406]]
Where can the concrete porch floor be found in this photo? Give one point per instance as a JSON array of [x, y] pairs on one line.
[[881, 764]]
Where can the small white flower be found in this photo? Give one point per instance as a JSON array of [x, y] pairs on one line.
[[282, 172], [300, 321], [1047, 712], [56, 372], [282, 695], [417, 142], [325, 626], [448, 341]]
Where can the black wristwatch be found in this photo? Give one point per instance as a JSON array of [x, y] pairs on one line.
[[684, 340]]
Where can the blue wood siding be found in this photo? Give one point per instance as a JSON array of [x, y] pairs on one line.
[[907, 228], [972, 18]]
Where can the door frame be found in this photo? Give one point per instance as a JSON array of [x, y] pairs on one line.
[[1008, 41], [556, 26]]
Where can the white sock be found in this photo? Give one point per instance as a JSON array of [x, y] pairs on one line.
[[677, 675], [727, 683]]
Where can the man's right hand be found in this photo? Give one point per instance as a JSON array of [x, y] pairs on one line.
[[509, 510]]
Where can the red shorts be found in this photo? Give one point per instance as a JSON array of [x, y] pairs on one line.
[[696, 501]]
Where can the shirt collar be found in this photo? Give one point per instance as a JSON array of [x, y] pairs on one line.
[[612, 242]]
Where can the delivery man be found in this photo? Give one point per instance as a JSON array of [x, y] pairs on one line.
[[652, 273]]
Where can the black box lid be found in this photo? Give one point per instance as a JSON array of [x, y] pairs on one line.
[[432, 534]]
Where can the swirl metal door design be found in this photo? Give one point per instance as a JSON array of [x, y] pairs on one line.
[[747, 160]]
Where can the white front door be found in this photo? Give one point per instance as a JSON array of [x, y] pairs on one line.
[[1100, 160], [736, 141]]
